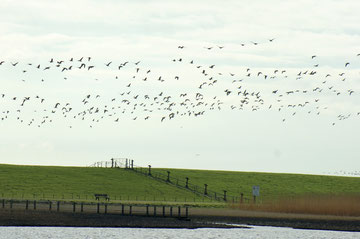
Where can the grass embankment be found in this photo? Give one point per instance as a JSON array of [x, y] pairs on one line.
[[81, 183], [286, 193], [278, 192], [273, 186]]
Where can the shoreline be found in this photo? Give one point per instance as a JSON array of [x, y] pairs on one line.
[[196, 220]]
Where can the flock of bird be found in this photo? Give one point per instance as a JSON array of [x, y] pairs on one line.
[[144, 93]]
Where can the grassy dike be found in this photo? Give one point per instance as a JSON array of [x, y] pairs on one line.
[[81, 183], [289, 200], [72, 183], [273, 186]]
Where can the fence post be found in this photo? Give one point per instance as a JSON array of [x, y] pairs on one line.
[[34, 204], [171, 210], [241, 197], [168, 176], [74, 206], [132, 164], [205, 189], [130, 210], [11, 203], [179, 211], [154, 211], [147, 210], [187, 212], [187, 182], [106, 208], [98, 208], [149, 173], [122, 209], [224, 195], [50, 205], [82, 207], [112, 163], [58, 206], [27, 205], [163, 211]]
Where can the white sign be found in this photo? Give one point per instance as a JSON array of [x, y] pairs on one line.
[[256, 191]]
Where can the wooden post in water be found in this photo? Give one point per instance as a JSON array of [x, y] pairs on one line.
[[34, 204], [74, 206], [130, 210], [122, 209], [106, 208], [58, 206], [163, 211], [98, 208], [50, 205], [187, 212], [147, 210], [11, 203], [3, 203], [154, 211], [171, 210], [82, 207], [27, 205]]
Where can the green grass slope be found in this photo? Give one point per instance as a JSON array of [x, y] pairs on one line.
[[272, 185], [72, 183], [37, 182]]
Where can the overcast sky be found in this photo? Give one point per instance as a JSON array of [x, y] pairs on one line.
[[276, 38]]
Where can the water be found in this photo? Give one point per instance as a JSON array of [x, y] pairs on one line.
[[139, 233]]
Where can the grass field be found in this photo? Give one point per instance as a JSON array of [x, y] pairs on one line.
[[75, 183], [273, 186], [39, 182]]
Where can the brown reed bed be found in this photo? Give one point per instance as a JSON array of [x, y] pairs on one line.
[[337, 205]]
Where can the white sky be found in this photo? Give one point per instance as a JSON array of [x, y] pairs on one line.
[[150, 32]]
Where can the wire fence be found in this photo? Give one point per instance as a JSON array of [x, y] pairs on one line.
[[99, 207], [112, 197], [203, 191], [113, 163]]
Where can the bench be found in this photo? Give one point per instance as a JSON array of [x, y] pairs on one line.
[[99, 195]]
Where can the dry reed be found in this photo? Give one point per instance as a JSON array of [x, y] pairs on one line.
[[338, 205]]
